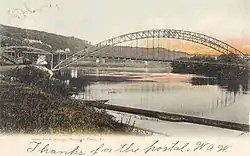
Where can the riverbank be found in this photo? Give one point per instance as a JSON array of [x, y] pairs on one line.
[[224, 67], [177, 129], [27, 107]]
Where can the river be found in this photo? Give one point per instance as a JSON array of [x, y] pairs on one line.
[[161, 90]]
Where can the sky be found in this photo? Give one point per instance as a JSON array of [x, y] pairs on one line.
[[97, 20]]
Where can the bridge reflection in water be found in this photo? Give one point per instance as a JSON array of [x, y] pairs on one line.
[[196, 96]]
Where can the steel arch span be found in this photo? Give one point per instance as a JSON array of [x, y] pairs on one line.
[[194, 37]]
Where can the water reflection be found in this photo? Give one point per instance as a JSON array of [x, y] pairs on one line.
[[74, 73], [240, 85], [178, 98]]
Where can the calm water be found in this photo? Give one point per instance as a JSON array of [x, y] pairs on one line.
[[166, 92]]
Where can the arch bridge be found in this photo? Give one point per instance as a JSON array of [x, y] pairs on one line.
[[190, 36]]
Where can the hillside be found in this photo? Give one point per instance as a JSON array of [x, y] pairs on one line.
[[39, 39], [52, 42]]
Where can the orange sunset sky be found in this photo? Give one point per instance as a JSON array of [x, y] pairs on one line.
[[241, 43]]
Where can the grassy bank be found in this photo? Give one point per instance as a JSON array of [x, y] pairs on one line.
[[30, 102]]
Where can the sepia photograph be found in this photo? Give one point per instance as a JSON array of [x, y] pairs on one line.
[[168, 68]]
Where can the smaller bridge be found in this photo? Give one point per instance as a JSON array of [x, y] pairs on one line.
[[14, 53]]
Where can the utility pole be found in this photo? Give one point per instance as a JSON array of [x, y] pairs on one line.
[[1, 50], [52, 61]]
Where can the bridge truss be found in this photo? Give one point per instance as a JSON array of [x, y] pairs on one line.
[[194, 37]]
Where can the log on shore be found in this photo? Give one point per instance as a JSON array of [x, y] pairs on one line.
[[174, 117]]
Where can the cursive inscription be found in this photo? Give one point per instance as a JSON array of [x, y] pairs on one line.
[[45, 149], [176, 146], [128, 148], [124, 148]]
